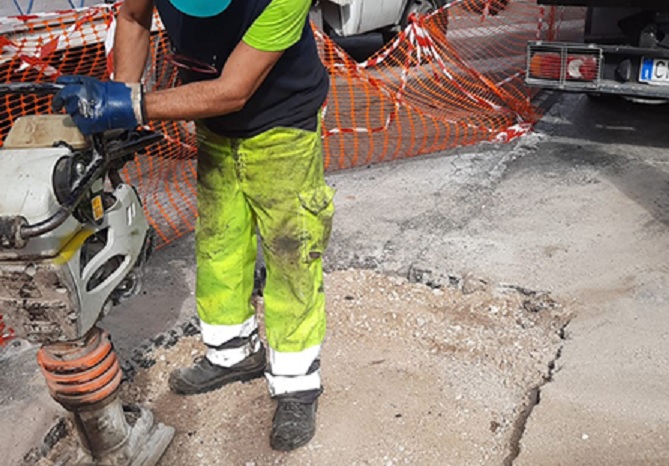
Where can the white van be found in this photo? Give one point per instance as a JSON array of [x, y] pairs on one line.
[[347, 18]]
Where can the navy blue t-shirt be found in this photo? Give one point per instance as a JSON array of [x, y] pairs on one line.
[[291, 94]]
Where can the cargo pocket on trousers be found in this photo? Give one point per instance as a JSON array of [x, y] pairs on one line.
[[317, 211]]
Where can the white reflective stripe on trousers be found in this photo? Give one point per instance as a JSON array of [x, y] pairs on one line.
[[293, 363], [280, 385], [230, 356], [288, 371], [216, 335]]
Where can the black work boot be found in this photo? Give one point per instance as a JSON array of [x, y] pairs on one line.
[[294, 423], [204, 376]]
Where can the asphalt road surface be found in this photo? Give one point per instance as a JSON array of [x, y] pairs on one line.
[[578, 209]]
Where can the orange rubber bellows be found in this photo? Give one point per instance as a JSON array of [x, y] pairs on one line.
[[81, 373]]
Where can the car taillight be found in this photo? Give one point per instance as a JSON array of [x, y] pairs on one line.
[[577, 67], [582, 67], [545, 65]]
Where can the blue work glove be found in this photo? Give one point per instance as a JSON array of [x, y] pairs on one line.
[[97, 106]]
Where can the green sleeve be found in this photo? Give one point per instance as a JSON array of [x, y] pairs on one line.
[[279, 26]]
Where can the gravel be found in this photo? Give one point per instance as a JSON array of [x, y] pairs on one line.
[[413, 374]]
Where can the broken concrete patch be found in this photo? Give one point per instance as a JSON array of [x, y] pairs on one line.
[[412, 375]]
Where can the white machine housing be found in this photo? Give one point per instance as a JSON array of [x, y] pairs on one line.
[[62, 282]]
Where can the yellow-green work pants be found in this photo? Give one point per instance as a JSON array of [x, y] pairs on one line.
[[273, 181]]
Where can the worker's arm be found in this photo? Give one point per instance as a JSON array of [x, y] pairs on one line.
[[131, 40], [243, 73], [277, 28], [100, 106]]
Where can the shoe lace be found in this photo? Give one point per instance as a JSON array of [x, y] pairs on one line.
[[199, 359], [292, 408], [202, 361]]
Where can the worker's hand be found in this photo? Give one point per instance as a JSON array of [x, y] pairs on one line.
[[97, 106]]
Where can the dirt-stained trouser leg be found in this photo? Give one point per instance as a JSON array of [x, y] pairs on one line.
[[274, 180], [226, 247], [283, 171]]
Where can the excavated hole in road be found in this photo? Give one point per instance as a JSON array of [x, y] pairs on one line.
[[413, 374]]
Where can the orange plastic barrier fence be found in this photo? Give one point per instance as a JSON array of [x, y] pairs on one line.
[[450, 79]]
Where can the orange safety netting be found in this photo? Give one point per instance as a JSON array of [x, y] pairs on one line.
[[450, 79]]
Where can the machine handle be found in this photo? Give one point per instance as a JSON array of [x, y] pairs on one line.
[[40, 89], [110, 149]]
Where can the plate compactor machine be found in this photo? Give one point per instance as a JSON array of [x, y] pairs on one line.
[[73, 243]]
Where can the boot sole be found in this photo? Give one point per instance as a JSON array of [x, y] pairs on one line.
[[180, 388], [279, 445]]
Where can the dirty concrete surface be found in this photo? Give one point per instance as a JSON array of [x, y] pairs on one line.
[[411, 373], [578, 209]]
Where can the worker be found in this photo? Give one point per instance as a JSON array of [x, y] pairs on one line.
[[252, 81]]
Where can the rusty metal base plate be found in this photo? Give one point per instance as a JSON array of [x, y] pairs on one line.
[[145, 445]]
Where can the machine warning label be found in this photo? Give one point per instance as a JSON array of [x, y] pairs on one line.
[[98, 211]]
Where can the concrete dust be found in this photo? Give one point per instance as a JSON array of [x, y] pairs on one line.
[[412, 375]]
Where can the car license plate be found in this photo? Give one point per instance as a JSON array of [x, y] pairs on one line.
[[654, 71]]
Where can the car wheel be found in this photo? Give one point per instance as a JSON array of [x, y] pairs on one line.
[[420, 7], [417, 7], [479, 6]]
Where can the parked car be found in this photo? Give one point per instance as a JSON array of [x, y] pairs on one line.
[[347, 18]]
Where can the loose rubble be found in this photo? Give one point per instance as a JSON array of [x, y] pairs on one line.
[[413, 374]]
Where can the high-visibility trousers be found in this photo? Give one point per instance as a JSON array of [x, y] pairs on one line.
[[273, 182]]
